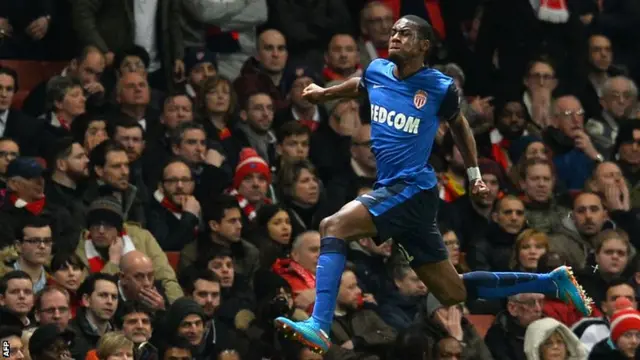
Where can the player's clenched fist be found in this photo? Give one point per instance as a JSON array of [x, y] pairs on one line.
[[313, 94]]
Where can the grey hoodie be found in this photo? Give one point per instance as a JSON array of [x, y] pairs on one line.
[[540, 330]]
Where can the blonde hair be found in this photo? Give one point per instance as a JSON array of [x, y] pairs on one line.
[[538, 236], [111, 342]]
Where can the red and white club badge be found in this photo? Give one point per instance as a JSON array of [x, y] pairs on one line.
[[420, 99]]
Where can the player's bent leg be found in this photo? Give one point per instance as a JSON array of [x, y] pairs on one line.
[[352, 222], [559, 283], [443, 281]]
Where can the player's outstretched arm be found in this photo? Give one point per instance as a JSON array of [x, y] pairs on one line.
[[348, 89], [464, 140]]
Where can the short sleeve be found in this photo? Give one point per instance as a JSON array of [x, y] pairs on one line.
[[450, 105]]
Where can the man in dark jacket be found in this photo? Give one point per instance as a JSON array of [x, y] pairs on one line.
[[99, 294]]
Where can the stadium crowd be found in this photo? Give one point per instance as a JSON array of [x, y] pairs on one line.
[[161, 193]]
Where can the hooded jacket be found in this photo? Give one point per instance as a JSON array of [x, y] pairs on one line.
[[540, 330]]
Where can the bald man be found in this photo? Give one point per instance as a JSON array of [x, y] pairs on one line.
[[137, 283]]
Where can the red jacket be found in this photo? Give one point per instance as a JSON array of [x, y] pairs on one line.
[[298, 277], [566, 314]]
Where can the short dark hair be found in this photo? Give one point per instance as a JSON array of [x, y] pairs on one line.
[[178, 133], [174, 94], [134, 307], [174, 160], [57, 88], [425, 31], [188, 278], [175, 342], [122, 121], [134, 50], [98, 156], [63, 259], [291, 128], [88, 286], [81, 123], [216, 209], [84, 53], [49, 289], [245, 103], [7, 138], [4, 70], [32, 222], [61, 149], [12, 275], [9, 331], [617, 281], [400, 271]]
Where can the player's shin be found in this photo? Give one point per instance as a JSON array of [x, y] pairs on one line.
[[331, 264], [493, 285]]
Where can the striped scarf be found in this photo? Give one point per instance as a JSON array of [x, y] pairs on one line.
[[96, 262]]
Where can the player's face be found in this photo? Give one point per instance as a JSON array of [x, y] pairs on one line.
[[405, 42]]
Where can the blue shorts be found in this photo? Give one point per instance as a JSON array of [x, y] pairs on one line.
[[408, 214]]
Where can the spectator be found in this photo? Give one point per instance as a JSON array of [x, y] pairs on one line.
[[376, 20], [400, 307], [255, 128], [251, 183], [87, 68], [48, 343], [264, 72], [628, 155], [342, 59], [68, 271], [136, 324], [448, 322], [505, 338], [188, 142], [108, 239], [529, 247], [300, 268], [16, 298], [302, 194], [575, 238], [65, 101], [549, 339], [111, 31], [22, 128], [216, 106], [574, 154], [295, 80], [537, 181], [174, 213], [11, 151], [52, 307], [33, 245], [370, 263], [452, 243], [601, 68], [292, 144], [177, 347], [99, 294], [114, 345], [447, 347], [623, 341], [491, 251], [133, 97], [200, 65], [522, 150], [356, 330], [11, 338], [135, 60], [90, 130], [595, 329], [272, 235], [186, 319], [137, 283], [224, 228]]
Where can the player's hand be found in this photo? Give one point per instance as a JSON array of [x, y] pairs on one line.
[[479, 189], [313, 94]]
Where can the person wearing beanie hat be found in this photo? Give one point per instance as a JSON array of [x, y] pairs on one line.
[[183, 312], [624, 338], [251, 182], [107, 239]]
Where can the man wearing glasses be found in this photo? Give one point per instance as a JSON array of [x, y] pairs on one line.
[[52, 307], [573, 150], [34, 249], [174, 213]]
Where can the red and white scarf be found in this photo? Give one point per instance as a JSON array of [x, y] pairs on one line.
[[96, 262], [553, 11], [35, 208], [167, 204], [247, 208]]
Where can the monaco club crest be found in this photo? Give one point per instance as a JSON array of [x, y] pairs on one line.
[[420, 99]]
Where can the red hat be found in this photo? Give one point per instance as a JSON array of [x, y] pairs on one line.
[[249, 163], [624, 319]]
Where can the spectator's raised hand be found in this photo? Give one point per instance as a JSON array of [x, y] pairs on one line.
[[451, 320], [584, 143], [115, 251], [190, 205], [94, 88], [213, 158], [152, 298], [38, 28]]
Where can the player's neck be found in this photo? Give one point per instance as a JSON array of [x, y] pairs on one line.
[[403, 71]]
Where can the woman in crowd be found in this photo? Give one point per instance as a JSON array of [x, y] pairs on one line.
[[273, 235], [68, 271], [300, 192], [90, 130], [529, 247], [452, 243], [548, 339], [113, 345]]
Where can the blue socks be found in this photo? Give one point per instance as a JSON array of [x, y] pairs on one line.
[[333, 256], [498, 285]]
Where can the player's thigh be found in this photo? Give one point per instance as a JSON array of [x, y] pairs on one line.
[[352, 222], [443, 281]]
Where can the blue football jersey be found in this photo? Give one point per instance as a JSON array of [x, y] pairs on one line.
[[405, 115]]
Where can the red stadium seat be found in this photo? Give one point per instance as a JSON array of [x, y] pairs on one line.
[[174, 259], [482, 323], [30, 74]]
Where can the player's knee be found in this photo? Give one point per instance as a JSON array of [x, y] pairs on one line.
[[456, 294], [331, 226]]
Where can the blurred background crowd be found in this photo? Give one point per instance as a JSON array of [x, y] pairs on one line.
[[162, 179]]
